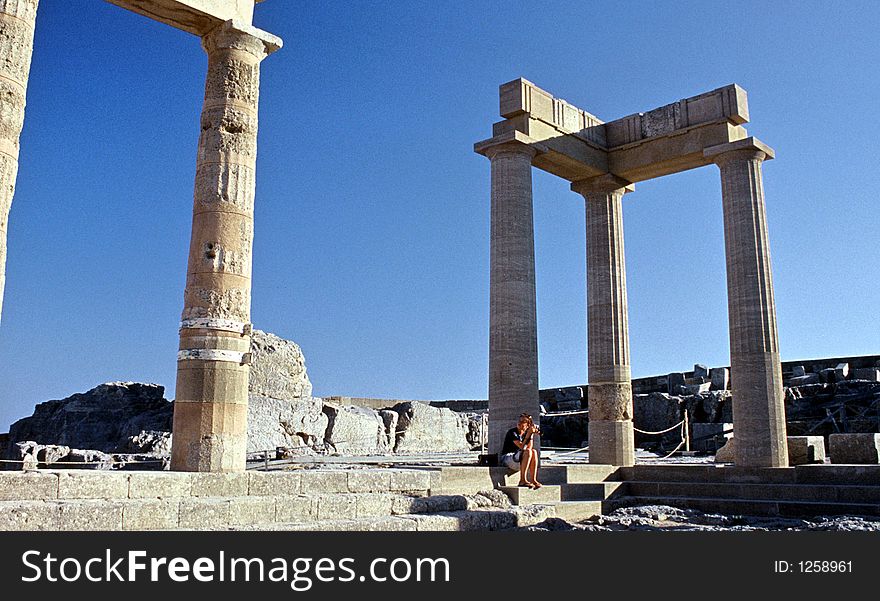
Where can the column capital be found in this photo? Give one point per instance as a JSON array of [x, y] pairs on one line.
[[238, 35], [603, 184], [512, 141], [746, 149]]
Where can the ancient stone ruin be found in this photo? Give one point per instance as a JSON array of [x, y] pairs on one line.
[[603, 161]]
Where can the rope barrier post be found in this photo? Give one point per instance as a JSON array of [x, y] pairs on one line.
[[686, 433], [266, 461]]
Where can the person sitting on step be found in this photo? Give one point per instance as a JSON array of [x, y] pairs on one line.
[[518, 452]]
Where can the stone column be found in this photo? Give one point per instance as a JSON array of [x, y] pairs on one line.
[[756, 373], [17, 18], [513, 329], [610, 388], [210, 411]]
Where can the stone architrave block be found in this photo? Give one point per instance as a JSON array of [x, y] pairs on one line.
[[720, 378], [798, 371], [674, 382], [701, 371], [854, 448], [803, 450], [805, 380], [872, 374], [698, 388]]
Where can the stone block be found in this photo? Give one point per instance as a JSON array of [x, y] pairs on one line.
[[842, 369], [300, 508], [220, 484], [92, 484], [403, 505], [374, 504], [806, 449], [834, 374], [390, 524], [674, 381], [369, 480], [436, 523], [202, 513], [248, 511], [701, 371], [28, 515], [872, 374], [410, 481], [151, 514], [22, 486], [90, 514], [698, 388], [337, 507], [273, 484], [317, 482], [805, 380], [720, 378], [709, 438], [798, 371], [163, 485], [854, 448]]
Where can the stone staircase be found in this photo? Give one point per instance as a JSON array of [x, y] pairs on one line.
[[572, 492], [307, 499], [801, 491]]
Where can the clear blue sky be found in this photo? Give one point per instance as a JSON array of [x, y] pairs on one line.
[[372, 211]]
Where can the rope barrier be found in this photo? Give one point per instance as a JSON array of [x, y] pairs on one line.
[[670, 429], [111, 462]]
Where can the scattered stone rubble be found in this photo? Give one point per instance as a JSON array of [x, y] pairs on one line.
[[662, 518], [127, 425]]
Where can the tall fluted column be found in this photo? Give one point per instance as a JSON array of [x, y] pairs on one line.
[[17, 19], [513, 329], [210, 411], [756, 373], [610, 388]]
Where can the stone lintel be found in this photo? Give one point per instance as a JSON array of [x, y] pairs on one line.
[[664, 155], [195, 16], [522, 97], [510, 138], [602, 184], [749, 143], [727, 104]]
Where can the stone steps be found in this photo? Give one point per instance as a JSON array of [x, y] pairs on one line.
[[577, 511], [526, 496], [824, 493], [592, 491], [757, 507]]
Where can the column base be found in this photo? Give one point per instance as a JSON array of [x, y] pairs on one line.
[[612, 442]]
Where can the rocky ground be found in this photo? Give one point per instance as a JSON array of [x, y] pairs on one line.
[[662, 518]]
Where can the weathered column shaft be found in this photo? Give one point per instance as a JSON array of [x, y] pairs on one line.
[[756, 373], [210, 410], [513, 330], [17, 19], [610, 388]]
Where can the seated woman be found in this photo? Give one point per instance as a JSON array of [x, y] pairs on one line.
[[518, 452]]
